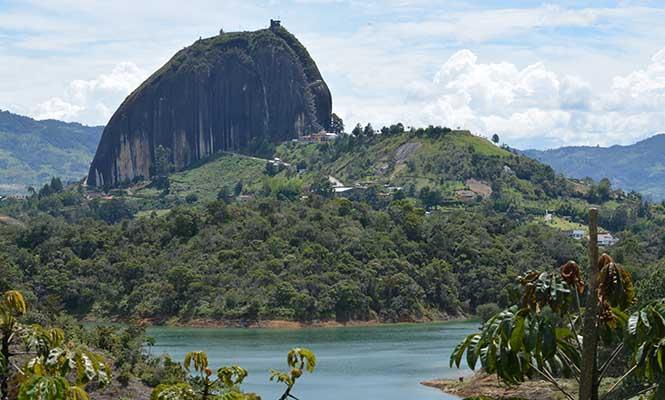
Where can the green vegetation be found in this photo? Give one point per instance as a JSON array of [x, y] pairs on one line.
[[401, 247], [31, 152], [564, 224], [236, 240], [221, 172], [639, 167], [67, 361], [55, 369], [202, 385], [538, 336]]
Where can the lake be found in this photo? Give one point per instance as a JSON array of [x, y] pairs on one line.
[[385, 362]]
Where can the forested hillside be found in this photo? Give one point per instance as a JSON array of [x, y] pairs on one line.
[[31, 152], [639, 167], [238, 239]]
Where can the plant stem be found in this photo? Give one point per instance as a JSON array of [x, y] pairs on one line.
[[577, 337], [553, 381], [606, 365], [616, 384], [573, 367], [588, 382], [4, 375], [286, 394]]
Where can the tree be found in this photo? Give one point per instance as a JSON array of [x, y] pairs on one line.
[[56, 185], [357, 131], [226, 382], [162, 164], [237, 189], [430, 197], [323, 187], [184, 223], [495, 138], [369, 130], [113, 210], [203, 385], [56, 369], [349, 301], [487, 311], [396, 129], [224, 194], [336, 124], [12, 307], [604, 189], [271, 169], [539, 335], [299, 359]]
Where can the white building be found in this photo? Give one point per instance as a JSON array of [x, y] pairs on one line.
[[606, 239], [578, 234]]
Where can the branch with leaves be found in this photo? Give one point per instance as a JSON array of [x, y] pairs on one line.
[[225, 385], [538, 337], [56, 369]]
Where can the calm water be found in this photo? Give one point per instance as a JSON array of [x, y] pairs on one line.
[[384, 362]]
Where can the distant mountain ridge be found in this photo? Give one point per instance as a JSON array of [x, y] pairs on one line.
[[639, 167], [32, 151]]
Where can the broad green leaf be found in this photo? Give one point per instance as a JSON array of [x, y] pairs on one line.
[[517, 337]]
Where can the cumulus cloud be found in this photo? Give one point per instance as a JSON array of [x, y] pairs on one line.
[[641, 90], [94, 100], [57, 108], [536, 104]]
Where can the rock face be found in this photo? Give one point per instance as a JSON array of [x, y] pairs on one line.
[[233, 92]]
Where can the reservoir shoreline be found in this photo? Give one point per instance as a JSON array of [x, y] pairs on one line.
[[273, 323], [384, 361]]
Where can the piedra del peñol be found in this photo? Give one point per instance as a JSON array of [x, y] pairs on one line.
[[229, 92]]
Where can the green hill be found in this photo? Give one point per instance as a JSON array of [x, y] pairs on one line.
[[31, 152], [639, 167], [449, 163], [429, 224]]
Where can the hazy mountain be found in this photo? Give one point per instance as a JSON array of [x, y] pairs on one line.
[[32, 151], [639, 167]]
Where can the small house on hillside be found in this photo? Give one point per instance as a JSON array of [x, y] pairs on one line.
[[319, 137], [577, 234], [604, 238], [607, 239], [466, 196]]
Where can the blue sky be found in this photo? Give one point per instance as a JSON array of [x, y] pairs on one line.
[[540, 74]]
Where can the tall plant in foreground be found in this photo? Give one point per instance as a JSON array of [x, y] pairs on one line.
[[12, 307], [55, 370], [548, 334], [225, 383]]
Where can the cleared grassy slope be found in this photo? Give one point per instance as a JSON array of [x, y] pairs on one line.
[[442, 162], [206, 178]]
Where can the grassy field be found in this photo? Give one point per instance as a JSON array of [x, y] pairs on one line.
[[565, 225], [207, 178], [480, 145]]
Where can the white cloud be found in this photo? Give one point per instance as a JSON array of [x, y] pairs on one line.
[[483, 25], [643, 89], [57, 108], [94, 100], [535, 104], [572, 75]]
